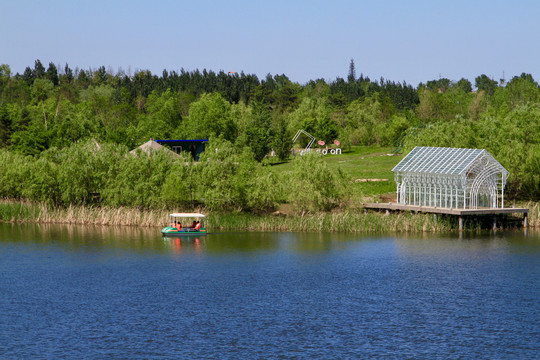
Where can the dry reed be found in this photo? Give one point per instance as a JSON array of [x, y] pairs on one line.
[[17, 211], [346, 221]]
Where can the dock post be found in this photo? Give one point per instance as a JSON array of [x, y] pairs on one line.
[[460, 221], [494, 223], [387, 213], [525, 220]]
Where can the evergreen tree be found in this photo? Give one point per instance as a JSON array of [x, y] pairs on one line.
[[28, 75], [484, 83], [258, 134], [101, 75], [52, 73], [68, 73], [352, 72], [5, 125], [39, 70], [82, 79]]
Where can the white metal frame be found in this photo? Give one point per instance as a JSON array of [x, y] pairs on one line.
[[311, 137], [450, 178]]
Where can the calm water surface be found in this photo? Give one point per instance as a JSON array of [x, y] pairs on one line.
[[122, 293]]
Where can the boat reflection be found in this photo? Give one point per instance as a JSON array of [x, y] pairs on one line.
[[183, 243]]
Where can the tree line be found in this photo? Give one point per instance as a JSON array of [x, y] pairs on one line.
[[50, 110], [90, 173]]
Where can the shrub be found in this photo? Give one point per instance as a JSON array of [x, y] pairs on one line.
[[313, 186]]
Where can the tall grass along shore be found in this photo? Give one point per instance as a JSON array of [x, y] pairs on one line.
[[347, 221]]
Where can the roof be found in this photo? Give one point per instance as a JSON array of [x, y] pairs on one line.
[[175, 141], [441, 160], [187, 215], [151, 146]]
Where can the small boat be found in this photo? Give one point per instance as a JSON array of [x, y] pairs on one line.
[[175, 218]]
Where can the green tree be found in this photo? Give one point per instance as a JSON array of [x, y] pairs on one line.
[[442, 105], [521, 90], [28, 75], [181, 187], [41, 89], [164, 110], [100, 76], [313, 186], [39, 70], [82, 79], [52, 73], [464, 85], [68, 73], [257, 135], [484, 83], [76, 122], [352, 72], [41, 181], [137, 180], [210, 116], [361, 119], [13, 174], [440, 85], [231, 180], [76, 178], [5, 125], [313, 116], [29, 135], [326, 128], [219, 165], [260, 189], [5, 73], [282, 140]]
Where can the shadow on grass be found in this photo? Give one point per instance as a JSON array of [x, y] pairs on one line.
[[279, 162]]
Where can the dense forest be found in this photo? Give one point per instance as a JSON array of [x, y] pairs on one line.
[[64, 133]]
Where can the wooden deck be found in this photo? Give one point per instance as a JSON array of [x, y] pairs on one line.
[[449, 211], [452, 211]]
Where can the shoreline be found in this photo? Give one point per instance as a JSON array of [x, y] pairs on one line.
[[12, 211]]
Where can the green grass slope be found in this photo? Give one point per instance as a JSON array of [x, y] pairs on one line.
[[368, 168]]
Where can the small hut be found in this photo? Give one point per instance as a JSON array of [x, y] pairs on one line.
[[193, 147], [450, 178], [151, 147]]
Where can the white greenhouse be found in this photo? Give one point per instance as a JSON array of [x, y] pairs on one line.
[[450, 178]]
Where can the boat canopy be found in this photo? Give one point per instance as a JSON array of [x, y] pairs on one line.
[[187, 215]]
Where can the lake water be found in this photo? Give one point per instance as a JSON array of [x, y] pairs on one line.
[[123, 293]]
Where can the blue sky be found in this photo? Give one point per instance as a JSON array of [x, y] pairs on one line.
[[413, 41]]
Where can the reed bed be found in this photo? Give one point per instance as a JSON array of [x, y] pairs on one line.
[[346, 221], [332, 222], [534, 213], [13, 211]]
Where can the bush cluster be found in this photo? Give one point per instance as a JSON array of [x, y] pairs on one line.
[[225, 179]]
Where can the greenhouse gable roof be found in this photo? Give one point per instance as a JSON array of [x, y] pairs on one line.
[[440, 160]]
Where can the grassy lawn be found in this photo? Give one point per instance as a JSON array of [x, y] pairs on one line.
[[360, 164]]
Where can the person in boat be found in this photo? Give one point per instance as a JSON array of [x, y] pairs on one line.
[[198, 226], [178, 226], [194, 224]]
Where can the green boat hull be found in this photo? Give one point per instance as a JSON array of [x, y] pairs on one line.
[[171, 231]]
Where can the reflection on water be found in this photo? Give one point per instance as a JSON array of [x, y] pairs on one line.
[[183, 243], [80, 236], [470, 242], [146, 239], [127, 292]]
